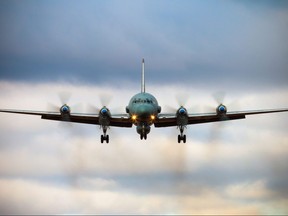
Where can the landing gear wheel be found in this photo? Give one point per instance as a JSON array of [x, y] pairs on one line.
[[181, 138], [105, 138], [141, 137], [145, 136]]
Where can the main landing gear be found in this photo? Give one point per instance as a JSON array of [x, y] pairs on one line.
[[181, 136], [105, 137]]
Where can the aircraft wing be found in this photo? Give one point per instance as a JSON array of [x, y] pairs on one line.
[[168, 120], [118, 120]]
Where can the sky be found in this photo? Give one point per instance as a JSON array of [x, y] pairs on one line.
[[192, 49]]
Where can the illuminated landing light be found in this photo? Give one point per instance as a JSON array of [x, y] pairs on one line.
[[134, 117], [152, 117]]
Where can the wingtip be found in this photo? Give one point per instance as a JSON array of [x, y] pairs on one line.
[[142, 60]]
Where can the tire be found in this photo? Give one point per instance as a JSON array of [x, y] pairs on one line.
[[184, 138], [179, 138]]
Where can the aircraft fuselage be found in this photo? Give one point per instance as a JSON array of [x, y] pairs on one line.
[[143, 109]]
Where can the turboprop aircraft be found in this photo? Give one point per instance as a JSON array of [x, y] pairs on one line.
[[143, 111]]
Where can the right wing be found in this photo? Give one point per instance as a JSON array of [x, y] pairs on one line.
[[168, 120]]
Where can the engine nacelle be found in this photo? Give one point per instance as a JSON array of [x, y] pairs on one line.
[[221, 110], [104, 116], [182, 116]]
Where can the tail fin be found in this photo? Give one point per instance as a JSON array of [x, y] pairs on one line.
[[143, 77]]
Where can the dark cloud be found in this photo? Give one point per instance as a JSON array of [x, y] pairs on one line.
[[268, 4], [99, 42]]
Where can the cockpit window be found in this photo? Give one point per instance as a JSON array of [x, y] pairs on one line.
[[147, 100]]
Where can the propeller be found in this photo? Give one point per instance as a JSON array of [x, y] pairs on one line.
[[219, 97], [217, 128], [64, 98], [220, 104], [104, 99], [64, 108], [181, 100]]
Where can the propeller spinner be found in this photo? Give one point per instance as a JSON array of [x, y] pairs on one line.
[[65, 109], [221, 109]]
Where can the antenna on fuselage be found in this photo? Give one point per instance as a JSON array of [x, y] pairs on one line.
[[143, 77]]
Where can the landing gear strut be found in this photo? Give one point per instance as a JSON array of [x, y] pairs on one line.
[[105, 137], [181, 137]]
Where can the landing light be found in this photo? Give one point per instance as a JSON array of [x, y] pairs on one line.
[[134, 117], [152, 117]]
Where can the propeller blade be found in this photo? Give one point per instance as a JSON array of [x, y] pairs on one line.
[[209, 108], [219, 97], [52, 107], [64, 97], [182, 98], [92, 109], [105, 99], [169, 109], [78, 107]]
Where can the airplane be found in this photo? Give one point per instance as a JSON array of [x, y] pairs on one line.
[[143, 111]]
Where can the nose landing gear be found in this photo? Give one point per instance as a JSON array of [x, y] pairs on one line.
[[143, 129], [143, 136]]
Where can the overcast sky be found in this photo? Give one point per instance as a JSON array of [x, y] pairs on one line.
[[91, 48]]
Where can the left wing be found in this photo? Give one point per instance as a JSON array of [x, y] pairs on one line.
[[168, 120], [119, 120]]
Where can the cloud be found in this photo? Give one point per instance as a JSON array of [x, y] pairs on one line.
[[81, 201], [254, 190], [224, 44], [95, 49], [243, 171]]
